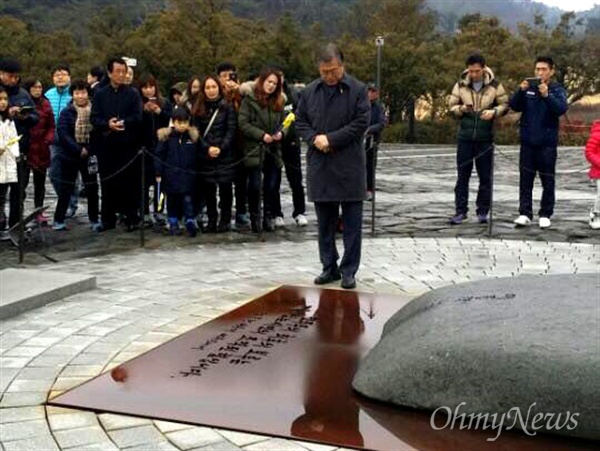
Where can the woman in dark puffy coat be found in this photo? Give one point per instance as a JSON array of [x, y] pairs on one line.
[[156, 114], [216, 120], [41, 136]]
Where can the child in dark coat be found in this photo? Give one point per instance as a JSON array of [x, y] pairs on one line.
[[177, 158]]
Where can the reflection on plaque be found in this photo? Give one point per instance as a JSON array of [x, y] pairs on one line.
[[281, 365]]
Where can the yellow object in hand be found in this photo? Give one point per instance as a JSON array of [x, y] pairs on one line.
[[10, 142], [288, 121]]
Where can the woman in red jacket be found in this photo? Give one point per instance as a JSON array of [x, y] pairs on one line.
[[42, 135], [592, 153]]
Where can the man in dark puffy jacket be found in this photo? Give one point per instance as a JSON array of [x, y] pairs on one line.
[[333, 115], [477, 100], [22, 110], [541, 102]]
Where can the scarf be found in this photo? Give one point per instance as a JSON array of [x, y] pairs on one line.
[[83, 126]]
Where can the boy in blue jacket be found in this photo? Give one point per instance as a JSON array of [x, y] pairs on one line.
[[541, 102], [177, 157]]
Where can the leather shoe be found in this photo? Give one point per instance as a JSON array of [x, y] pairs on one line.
[[348, 282], [327, 277]]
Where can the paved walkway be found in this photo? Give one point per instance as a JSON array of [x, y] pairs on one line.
[[147, 297], [415, 198]]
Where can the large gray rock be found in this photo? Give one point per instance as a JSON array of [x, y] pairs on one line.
[[496, 345]]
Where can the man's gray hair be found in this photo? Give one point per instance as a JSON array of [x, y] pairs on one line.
[[329, 53]]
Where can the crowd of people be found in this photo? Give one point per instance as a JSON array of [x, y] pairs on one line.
[[215, 146], [201, 140]]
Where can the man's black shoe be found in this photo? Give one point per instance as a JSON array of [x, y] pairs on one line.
[[327, 277], [348, 282]]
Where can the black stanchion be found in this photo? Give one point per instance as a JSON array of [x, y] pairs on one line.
[[491, 221], [20, 176], [143, 198], [261, 162], [374, 189]]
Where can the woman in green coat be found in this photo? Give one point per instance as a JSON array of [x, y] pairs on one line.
[[260, 121]]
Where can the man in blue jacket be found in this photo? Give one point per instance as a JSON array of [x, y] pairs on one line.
[[541, 102], [332, 118]]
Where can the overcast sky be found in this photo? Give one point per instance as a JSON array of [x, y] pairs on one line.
[[571, 5]]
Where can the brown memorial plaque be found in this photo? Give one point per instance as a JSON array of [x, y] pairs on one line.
[[282, 365]]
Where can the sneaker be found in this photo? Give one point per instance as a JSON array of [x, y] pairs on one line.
[[96, 226], [242, 220], [71, 212], [482, 218], [173, 226], [545, 223], [59, 227], [4, 236], [522, 221], [190, 226], [457, 219], [301, 220], [41, 219], [369, 196], [279, 222], [268, 224], [595, 223]]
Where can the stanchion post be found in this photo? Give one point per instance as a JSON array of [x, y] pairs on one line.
[[379, 42], [491, 221], [21, 188], [261, 162], [143, 198]]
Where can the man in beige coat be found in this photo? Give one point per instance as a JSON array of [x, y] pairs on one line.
[[476, 101]]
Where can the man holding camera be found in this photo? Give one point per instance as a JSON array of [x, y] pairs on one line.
[[116, 116], [476, 100], [541, 102], [22, 110]]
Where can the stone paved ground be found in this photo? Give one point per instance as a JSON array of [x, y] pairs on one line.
[[415, 199], [147, 297]]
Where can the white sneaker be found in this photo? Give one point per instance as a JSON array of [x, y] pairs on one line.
[[545, 223], [594, 220], [279, 222], [301, 221], [522, 221]]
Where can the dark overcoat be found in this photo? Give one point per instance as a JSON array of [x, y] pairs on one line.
[[221, 134], [343, 115]]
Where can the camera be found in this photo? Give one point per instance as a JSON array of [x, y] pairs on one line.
[[233, 76], [26, 109], [131, 62], [533, 81]]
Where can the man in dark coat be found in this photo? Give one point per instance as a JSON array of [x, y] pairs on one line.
[[372, 136], [333, 115], [22, 110], [541, 102], [116, 117]]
